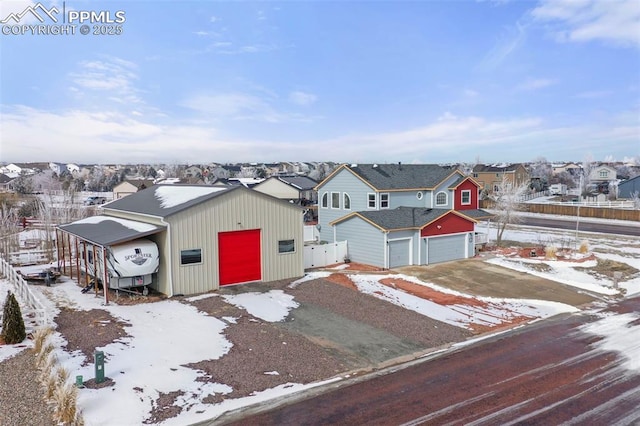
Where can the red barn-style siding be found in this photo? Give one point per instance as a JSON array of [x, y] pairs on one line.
[[450, 223], [467, 185]]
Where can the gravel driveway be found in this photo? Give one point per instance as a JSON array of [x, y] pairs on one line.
[[335, 330]]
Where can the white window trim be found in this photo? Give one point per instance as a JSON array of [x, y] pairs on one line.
[[339, 195], [465, 191], [194, 263], [419, 195], [446, 199], [388, 200], [322, 198], [295, 247], [345, 195], [375, 200]]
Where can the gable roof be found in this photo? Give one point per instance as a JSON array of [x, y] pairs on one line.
[[299, 182], [401, 217], [399, 176], [166, 200], [138, 183]]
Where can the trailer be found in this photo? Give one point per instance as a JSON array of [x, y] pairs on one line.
[[130, 265], [558, 189]]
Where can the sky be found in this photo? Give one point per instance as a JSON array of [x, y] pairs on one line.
[[344, 81]]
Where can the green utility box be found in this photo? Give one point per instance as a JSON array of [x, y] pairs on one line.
[[98, 359], [79, 382]]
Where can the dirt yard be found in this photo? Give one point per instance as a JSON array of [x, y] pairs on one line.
[[476, 277]]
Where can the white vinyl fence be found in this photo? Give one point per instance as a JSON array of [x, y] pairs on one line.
[[24, 294], [317, 255]]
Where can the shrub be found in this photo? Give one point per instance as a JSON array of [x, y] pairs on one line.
[[584, 247], [13, 330], [40, 337], [550, 252], [65, 396]]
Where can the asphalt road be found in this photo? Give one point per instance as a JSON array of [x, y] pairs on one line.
[[584, 226], [551, 372]]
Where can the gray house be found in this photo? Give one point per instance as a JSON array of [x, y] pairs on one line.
[[629, 187], [395, 214], [206, 236]]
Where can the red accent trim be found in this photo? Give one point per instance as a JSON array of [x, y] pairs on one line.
[[450, 223], [466, 185]]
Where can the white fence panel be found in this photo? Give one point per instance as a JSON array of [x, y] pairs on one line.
[[24, 293], [311, 233], [318, 255]]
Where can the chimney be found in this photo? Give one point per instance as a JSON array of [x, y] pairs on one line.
[[399, 165]]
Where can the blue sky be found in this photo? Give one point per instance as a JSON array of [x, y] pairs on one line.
[[422, 81]]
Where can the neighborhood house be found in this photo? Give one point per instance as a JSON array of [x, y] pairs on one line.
[[395, 214]]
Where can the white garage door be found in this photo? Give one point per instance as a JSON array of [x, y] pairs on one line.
[[443, 249], [399, 253]]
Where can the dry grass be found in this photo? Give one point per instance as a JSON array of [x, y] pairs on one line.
[[550, 252], [606, 269], [65, 410], [40, 337], [584, 247], [43, 355]]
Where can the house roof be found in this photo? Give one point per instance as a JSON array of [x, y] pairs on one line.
[[477, 214], [166, 200], [302, 183], [400, 217], [481, 168], [106, 231], [400, 176], [5, 179]]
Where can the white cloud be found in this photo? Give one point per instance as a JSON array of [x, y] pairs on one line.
[[78, 136], [470, 93], [113, 75], [594, 94], [510, 40], [536, 83], [214, 19], [302, 98], [616, 22]]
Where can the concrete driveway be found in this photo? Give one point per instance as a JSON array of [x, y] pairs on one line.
[[476, 277]]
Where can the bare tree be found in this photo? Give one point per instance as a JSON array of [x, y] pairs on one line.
[[635, 198], [587, 168], [507, 201]]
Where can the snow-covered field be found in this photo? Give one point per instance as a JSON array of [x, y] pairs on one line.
[[159, 346]]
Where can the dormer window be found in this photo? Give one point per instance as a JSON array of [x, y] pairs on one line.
[[441, 199]]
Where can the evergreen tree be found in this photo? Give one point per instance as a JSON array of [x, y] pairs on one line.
[[13, 330]]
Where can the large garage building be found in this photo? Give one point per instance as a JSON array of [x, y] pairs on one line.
[[209, 237]]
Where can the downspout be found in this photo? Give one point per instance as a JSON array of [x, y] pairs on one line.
[[419, 247], [170, 262], [105, 282]]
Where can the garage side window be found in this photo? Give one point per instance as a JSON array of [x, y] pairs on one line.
[[188, 257], [286, 246]]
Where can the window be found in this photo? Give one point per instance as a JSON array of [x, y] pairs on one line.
[[604, 173], [346, 201], [419, 195], [335, 200], [475, 175], [286, 246], [441, 199], [466, 197], [325, 200], [188, 257], [371, 201], [384, 201]]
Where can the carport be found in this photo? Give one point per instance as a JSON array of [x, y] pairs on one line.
[[102, 233]]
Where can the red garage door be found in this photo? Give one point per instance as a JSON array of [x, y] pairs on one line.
[[239, 256]]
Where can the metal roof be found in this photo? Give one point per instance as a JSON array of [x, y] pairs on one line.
[[106, 231], [401, 176], [166, 200]]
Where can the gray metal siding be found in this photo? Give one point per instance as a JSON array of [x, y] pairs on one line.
[[446, 248], [198, 227], [364, 241], [342, 182]]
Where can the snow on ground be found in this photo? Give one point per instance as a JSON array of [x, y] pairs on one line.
[[621, 248], [272, 306], [620, 334], [493, 312]]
